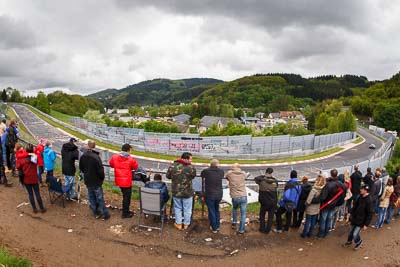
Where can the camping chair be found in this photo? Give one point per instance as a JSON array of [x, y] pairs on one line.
[[56, 190], [150, 203]]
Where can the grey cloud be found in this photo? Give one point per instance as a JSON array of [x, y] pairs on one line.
[[129, 49], [295, 44], [16, 34], [270, 14]]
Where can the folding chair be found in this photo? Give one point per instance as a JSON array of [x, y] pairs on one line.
[[56, 190], [150, 203]]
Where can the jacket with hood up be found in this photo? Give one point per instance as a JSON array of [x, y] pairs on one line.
[[69, 153]]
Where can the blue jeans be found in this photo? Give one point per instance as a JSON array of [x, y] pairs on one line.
[[70, 183], [381, 217], [183, 205], [311, 221], [96, 201], [376, 206], [242, 203], [325, 221], [40, 172], [354, 234], [390, 212], [213, 212]]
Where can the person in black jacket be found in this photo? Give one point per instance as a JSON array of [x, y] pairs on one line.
[[332, 196], [213, 192], [361, 217], [298, 213], [356, 180], [69, 154], [268, 198], [368, 178], [92, 169]]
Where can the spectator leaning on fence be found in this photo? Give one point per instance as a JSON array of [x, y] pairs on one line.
[[213, 192], [123, 165], [69, 154], [298, 213], [92, 169], [384, 201], [288, 202], [312, 206], [49, 158], [28, 176], [181, 172], [157, 183], [237, 188], [356, 180], [332, 196], [268, 198], [39, 153], [3, 143]]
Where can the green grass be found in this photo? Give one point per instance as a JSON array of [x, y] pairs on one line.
[[358, 140], [9, 260], [111, 187], [23, 132], [60, 116], [196, 160]]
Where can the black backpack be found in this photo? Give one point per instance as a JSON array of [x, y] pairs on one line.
[[11, 138]]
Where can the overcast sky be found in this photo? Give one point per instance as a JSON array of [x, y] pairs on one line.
[[90, 45]]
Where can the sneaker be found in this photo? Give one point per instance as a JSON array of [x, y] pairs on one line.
[[214, 231], [277, 231], [98, 216], [347, 244], [178, 226], [374, 226], [358, 245], [128, 215], [233, 225], [105, 218], [240, 233]]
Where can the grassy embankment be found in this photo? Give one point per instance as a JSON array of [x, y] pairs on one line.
[[64, 117], [6, 259]]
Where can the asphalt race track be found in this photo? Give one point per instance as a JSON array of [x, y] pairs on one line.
[[42, 129]]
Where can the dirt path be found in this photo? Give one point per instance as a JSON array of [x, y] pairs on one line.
[[44, 238]]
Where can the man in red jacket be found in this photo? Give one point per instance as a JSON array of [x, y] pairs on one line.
[[40, 163], [123, 165]]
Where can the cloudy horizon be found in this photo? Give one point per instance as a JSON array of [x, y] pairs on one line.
[[87, 46]]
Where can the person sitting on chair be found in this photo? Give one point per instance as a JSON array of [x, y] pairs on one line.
[[157, 183]]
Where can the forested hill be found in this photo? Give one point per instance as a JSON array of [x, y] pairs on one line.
[[274, 92], [155, 92]]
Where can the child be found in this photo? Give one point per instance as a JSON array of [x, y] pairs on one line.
[[28, 176], [312, 209], [159, 184]]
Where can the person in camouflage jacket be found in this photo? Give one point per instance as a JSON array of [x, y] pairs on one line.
[[181, 172]]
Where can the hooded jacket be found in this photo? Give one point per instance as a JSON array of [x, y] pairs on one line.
[[267, 194], [305, 191], [39, 153], [356, 179], [332, 194], [123, 165], [92, 168], [27, 168], [49, 156], [313, 209], [237, 186], [181, 172], [292, 193], [69, 153]]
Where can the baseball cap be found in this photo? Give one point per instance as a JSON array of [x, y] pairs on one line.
[[73, 139], [366, 187]]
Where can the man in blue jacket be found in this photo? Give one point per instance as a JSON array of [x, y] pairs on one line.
[[288, 202]]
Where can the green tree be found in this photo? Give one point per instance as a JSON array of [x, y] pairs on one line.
[[322, 121], [42, 103], [16, 96], [4, 95], [93, 116]]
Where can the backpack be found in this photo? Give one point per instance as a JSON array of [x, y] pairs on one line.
[[289, 205], [11, 138]]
